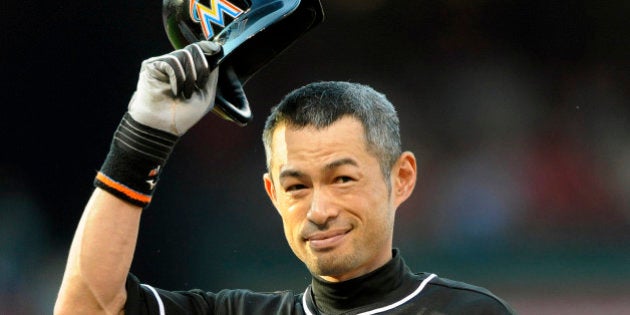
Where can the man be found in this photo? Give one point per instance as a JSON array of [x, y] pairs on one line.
[[336, 175]]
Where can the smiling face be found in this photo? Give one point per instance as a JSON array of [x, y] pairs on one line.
[[336, 208]]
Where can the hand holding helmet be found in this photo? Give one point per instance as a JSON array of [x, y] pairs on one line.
[[251, 32], [176, 90]]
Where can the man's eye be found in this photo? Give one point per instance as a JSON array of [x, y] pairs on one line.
[[343, 179], [295, 187]]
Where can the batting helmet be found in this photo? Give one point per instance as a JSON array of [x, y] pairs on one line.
[[251, 32]]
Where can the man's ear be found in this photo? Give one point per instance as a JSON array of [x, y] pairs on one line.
[[404, 175], [270, 188]]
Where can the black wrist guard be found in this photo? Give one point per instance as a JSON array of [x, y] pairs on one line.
[[136, 157]]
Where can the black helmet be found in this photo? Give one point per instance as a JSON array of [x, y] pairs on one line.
[[251, 32]]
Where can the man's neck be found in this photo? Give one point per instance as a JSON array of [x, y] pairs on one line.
[[332, 297]]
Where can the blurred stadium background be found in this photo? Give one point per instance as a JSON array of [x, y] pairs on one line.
[[517, 110]]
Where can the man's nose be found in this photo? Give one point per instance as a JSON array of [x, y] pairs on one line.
[[323, 208]]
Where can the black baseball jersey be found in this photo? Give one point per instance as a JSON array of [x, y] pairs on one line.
[[391, 289]]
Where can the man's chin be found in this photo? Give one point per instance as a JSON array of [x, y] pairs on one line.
[[330, 264]]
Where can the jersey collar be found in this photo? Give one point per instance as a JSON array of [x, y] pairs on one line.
[[380, 289]]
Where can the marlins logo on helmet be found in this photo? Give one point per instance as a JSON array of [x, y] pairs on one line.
[[213, 15]]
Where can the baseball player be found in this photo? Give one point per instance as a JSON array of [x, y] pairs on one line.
[[336, 174]]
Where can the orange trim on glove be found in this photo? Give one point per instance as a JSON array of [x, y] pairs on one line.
[[123, 189]]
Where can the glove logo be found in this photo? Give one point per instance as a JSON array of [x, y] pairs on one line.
[[213, 16], [153, 175]]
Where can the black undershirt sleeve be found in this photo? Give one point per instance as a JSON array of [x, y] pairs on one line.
[[143, 299]]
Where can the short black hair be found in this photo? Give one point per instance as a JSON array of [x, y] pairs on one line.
[[320, 104]]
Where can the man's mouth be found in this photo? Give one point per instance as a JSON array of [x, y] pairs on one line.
[[326, 240]]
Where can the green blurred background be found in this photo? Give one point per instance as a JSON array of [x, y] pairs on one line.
[[518, 112]]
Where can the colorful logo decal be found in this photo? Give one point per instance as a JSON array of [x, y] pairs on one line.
[[212, 15]]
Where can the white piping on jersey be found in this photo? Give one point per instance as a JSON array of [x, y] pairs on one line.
[[384, 308], [306, 310], [157, 298]]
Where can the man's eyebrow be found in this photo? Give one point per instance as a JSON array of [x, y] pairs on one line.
[[328, 167], [290, 173], [340, 162]]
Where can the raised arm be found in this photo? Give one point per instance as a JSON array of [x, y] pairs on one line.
[[100, 257], [174, 92]]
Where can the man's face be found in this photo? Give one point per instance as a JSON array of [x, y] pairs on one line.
[[337, 212]]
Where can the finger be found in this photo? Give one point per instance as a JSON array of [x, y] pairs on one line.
[[171, 67], [200, 64], [209, 48], [186, 60], [212, 52]]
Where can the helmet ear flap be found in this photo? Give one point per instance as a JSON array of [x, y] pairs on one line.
[[251, 33]]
